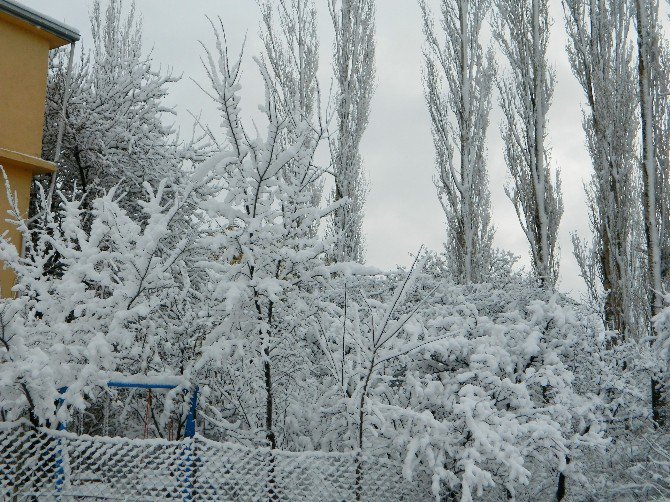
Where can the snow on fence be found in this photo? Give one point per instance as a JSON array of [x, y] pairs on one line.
[[42, 464]]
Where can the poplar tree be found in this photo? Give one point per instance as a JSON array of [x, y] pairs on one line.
[[459, 116], [521, 27], [291, 58], [354, 63], [601, 58], [654, 83]]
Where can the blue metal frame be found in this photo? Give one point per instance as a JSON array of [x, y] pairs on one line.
[[132, 385], [189, 430]]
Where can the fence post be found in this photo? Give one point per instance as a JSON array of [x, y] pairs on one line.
[[272, 480], [189, 433], [358, 485], [60, 450], [190, 419]]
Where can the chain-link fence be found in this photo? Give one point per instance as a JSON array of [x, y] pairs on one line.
[[42, 464]]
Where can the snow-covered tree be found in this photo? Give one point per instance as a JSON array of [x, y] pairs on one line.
[[292, 53], [219, 276], [544, 338], [115, 133], [522, 30], [292, 59], [105, 308], [354, 68], [654, 88], [266, 260], [460, 117], [601, 58], [368, 339]]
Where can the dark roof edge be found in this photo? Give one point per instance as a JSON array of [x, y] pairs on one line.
[[46, 23]]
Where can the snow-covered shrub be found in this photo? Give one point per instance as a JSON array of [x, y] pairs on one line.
[[481, 389], [91, 297], [494, 390], [497, 398]]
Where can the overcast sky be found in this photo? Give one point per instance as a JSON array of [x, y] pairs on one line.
[[402, 210]]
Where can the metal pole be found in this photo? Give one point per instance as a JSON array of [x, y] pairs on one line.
[[59, 137], [190, 419], [189, 432], [61, 123]]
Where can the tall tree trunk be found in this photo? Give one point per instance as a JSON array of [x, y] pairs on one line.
[[465, 141], [540, 181], [649, 187]]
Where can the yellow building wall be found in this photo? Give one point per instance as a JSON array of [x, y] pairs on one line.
[[24, 60], [24, 53], [19, 181]]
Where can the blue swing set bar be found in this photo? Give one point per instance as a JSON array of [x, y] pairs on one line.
[[189, 430], [190, 418]]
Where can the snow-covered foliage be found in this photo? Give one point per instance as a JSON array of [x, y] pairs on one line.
[[266, 261], [643, 454], [231, 276], [488, 389], [496, 399]]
